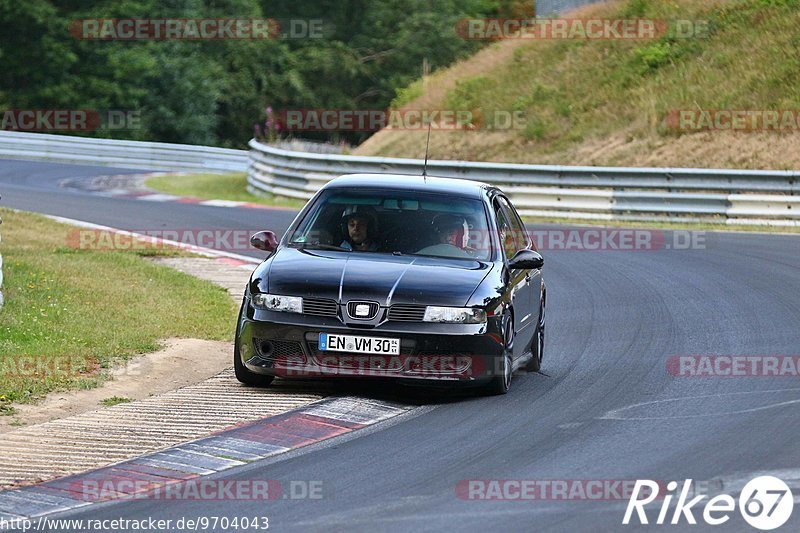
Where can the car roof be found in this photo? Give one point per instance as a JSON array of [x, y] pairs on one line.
[[452, 186]]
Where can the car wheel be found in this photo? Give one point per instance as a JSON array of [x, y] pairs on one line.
[[537, 346], [501, 381], [246, 377]]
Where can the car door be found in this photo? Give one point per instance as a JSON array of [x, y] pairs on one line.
[[513, 238]]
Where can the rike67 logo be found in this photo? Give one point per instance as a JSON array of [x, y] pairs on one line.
[[765, 503]]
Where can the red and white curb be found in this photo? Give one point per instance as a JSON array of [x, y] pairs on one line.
[[189, 462], [161, 197], [148, 195]]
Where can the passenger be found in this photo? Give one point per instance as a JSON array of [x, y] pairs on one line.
[[452, 235], [360, 227], [451, 229]]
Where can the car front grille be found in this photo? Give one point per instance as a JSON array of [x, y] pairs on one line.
[[407, 313], [319, 307]]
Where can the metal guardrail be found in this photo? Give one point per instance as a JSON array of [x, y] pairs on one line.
[[597, 193], [121, 154]]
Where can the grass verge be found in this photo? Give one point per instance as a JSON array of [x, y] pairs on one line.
[[218, 187], [72, 313]]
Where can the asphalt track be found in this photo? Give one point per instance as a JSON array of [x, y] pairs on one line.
[[607, 408]]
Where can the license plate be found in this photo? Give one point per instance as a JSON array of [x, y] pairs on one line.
[[351, 343]]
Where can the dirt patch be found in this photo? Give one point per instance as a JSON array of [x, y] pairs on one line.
[[180, 363]]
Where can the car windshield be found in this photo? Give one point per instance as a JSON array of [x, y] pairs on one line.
[[396, 222]]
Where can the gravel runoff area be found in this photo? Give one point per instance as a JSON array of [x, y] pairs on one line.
[[67, 434]]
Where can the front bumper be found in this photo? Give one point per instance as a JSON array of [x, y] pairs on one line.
[[286, 345]]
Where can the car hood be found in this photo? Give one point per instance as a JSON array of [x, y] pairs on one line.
[[386, 279]]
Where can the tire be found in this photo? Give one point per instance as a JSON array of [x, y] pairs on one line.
[[246, 377], [537, 346], [501, 382]]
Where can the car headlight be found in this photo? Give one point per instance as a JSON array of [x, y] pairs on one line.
[[455, 315], [273, 302]]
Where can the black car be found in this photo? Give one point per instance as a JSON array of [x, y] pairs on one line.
[[420, 279]]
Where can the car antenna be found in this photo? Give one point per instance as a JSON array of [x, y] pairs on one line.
[[427, 145]]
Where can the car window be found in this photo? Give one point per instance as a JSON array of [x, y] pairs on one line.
[[504, 231], [400, 222], [520, 234]]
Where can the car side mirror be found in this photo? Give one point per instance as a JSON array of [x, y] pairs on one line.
[[264, 240], [526, 260]]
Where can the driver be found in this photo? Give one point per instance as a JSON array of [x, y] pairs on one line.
[[360, 227]]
